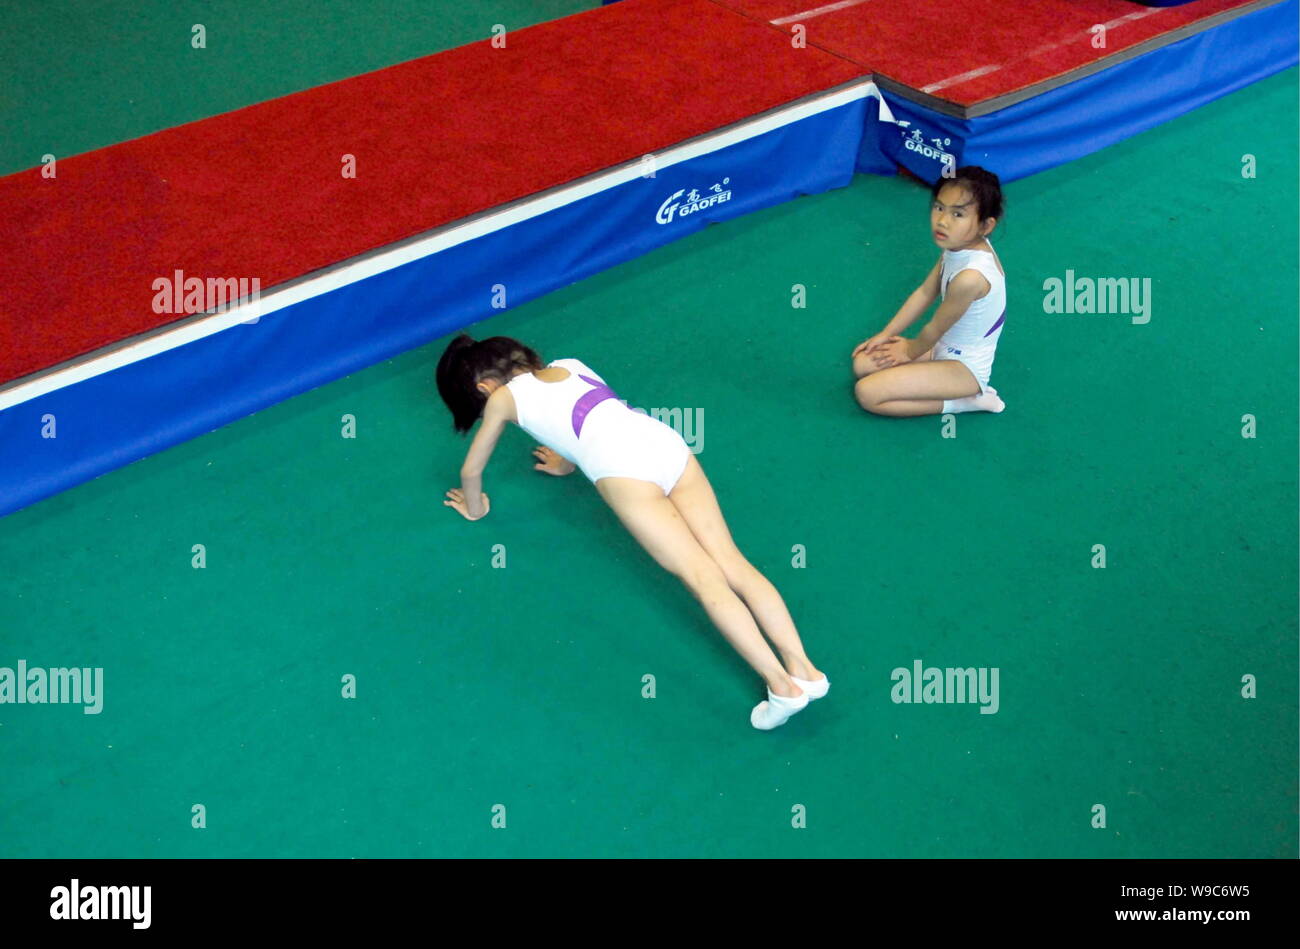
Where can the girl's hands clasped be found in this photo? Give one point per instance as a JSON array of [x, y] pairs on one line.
[[456, 499], [893, 351], [867, 345]]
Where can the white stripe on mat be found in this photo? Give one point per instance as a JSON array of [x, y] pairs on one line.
[[1073, 38], [816, 11]]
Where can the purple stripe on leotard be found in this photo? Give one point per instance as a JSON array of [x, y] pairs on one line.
[[588, 401], [996, 325]]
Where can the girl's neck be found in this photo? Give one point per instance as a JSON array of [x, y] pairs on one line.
[[979, 244]]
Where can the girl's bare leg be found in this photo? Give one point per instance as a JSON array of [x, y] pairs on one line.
[[658, 526], [694, 499], [915, 388], [863, 365]]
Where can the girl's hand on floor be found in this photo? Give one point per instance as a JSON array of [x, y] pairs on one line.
[[456, 499], [551, 462], [895, 351]]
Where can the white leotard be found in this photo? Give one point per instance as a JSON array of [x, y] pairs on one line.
[[973, 339], [981, 324], [581, 419]]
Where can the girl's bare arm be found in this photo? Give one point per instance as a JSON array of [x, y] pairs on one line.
[[499, 410], [963, 290]]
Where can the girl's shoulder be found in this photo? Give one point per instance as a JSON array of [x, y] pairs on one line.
[[985, 261], [576, 366], [992, 257]]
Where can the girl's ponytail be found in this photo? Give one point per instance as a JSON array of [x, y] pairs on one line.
[[467, 362]]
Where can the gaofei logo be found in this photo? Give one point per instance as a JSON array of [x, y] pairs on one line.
[[915, 142], [692, 202]]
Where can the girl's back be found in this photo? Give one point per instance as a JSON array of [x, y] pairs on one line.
[[581, 419], [557, 413]]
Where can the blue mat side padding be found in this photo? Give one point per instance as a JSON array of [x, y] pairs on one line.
[[137, 410], [878, 153], [1085, 116]]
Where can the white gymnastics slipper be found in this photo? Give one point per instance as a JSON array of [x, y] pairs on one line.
[[814, 690], [776, 710]]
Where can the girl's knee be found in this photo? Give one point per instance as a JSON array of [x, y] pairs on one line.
[[739, 573], [868, 394], [705, 579]]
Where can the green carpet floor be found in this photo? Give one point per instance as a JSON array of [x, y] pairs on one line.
[[522, 686]]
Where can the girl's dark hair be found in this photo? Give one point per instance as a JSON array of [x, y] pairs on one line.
[[465, 363], [983, 185]]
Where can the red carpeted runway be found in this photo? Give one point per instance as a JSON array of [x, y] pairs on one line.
[[259, 192], [973, 52]]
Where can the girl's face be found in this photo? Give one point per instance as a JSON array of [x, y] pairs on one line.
[[954, 219]]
